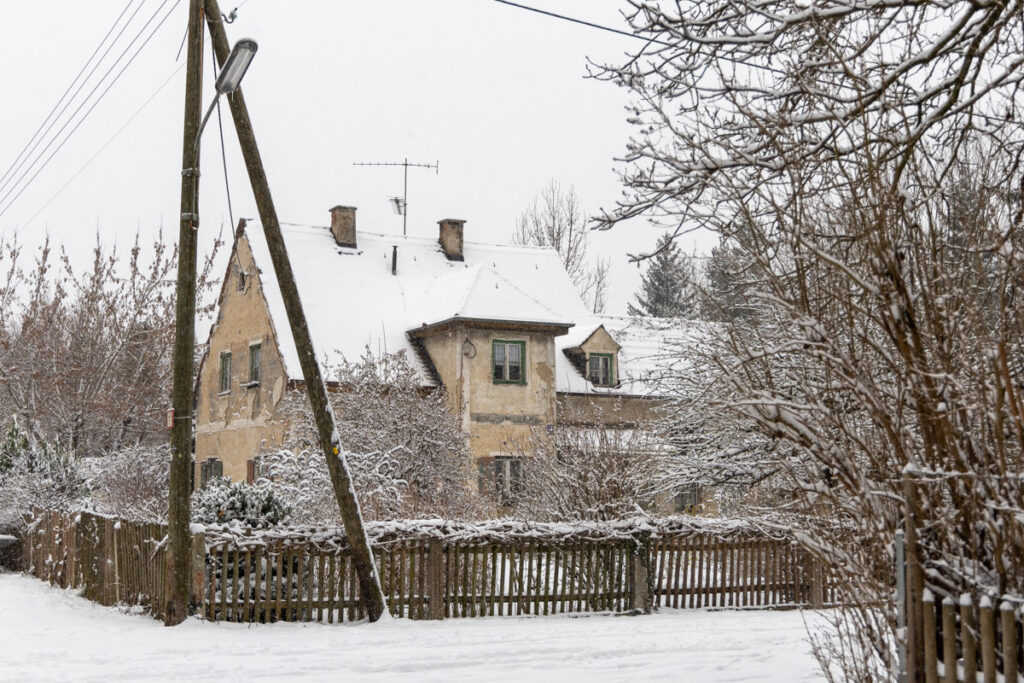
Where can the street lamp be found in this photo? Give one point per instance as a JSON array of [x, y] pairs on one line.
[[238, 61], [230, 76]]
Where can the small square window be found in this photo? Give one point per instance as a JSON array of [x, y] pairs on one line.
[[211, 468], [507, 360], [504, 474], [255, 356], [688, 499], [225, 372], [600, 370]]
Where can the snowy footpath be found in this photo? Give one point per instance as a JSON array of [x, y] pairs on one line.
[[48, 634]]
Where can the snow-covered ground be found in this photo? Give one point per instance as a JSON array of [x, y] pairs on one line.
[[53, 635]]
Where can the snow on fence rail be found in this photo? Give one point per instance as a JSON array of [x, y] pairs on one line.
[[434, 569]]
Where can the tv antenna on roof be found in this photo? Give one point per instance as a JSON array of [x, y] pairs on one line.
[[401, 204]]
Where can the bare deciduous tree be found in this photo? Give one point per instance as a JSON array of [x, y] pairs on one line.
[[556, 220], [85, 356], [833, 145], [589, 472]]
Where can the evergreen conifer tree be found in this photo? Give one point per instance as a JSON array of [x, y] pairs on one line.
[[726, 272], [666, 289]]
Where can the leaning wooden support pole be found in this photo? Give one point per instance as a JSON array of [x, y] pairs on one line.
[[362, 558]]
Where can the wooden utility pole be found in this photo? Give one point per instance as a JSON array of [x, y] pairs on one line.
[[362, 558], [179, 511]]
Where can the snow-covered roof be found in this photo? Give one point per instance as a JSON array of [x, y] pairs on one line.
[[352, 300]]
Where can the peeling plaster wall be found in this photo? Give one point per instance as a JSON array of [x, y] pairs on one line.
[[232, 426], [497, 416], [610, 411]]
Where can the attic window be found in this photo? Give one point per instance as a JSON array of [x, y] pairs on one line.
[[241, 280], [507, 361], [601, 369]]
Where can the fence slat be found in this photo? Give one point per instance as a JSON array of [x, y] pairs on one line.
[[930, 654], [988, 640], [967, 638], [1009, 629], [948, 641]]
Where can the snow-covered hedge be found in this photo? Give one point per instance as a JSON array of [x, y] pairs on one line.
[[491, 531]]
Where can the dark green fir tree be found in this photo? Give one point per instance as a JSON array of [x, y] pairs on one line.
[[667, 288]]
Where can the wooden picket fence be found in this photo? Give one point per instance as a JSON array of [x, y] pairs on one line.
[[112, 561], [966, 637], [446, 570]]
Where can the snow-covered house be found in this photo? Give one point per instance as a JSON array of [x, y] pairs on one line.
[[501, 328]]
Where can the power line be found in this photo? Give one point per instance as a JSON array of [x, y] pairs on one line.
[[98, 100], [584, 23], [71, 118], [106, 144], [19, 162]]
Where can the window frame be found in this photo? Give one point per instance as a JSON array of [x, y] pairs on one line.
[[503, 475], [210, 469], [522, 360], [255, 377], [611, 369], [224, 386]]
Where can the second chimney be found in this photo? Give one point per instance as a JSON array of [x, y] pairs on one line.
[[451, 238], [343, 225]]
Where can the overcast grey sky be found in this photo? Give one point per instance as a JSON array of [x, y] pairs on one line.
[[498, 95]]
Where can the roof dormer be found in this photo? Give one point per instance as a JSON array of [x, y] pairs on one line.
[[597, 358]]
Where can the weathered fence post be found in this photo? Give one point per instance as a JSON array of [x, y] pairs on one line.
[[108, 560], [435, 580], [197, 587], [817, 582], [641, 573]]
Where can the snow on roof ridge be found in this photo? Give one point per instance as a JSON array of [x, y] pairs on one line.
[[417, 238]]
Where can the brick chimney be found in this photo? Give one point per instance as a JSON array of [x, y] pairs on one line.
[[451, 238], [343, 225]]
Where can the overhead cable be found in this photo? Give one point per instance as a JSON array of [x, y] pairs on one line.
[[90, 110]]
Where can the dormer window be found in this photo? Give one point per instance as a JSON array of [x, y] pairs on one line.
[[507, 361], [601, 369]]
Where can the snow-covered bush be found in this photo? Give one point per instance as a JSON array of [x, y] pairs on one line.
[[589, 472], [404, 445], [222, 501], [132, 483], [40, 474], [301, 478]]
